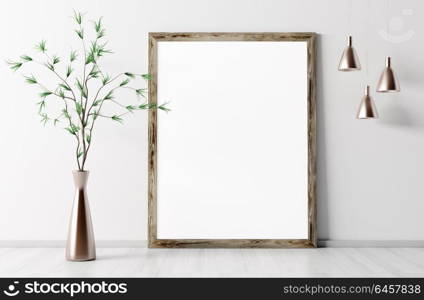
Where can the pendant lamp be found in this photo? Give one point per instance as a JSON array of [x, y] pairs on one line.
[[349, 60], [388, 82], [367, 108]]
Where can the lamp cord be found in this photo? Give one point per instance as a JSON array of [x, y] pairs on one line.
[[367, 41], [349, 16]]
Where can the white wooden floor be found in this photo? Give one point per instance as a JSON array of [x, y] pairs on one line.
[[142, 262]]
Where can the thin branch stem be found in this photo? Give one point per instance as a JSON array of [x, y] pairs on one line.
[[98, 68], [123, 114], [116, 77], [66, 107], [98, 91], [60, 77], [117, 103], [54, 93], [95, 62], [84, 105], [94, 120]]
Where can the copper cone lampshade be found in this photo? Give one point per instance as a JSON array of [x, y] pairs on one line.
[[367, 109], [388, 81], [349, 60]]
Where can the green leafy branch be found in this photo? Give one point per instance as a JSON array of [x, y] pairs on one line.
[[81, 106]]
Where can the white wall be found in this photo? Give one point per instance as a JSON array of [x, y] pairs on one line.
[[369, 172]]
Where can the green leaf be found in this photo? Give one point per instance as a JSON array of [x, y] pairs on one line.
[[94, 47], [94, 73], [89, 59], [101, 50], [30, 79], [101, 34], [88, 138], [77, 17], [141, 92], [98, 25], [14, 65], [109, 96], [146, 76], [64, 86], [26, 58], [80, 33], [69, 70], [97, 102], [70, 130], [41, 46], [82, 88], [125, 82], [131, 75], [44, 118], [61, 94], [75, 127], [73, 56], [106, 79], [79, 85], [41, 105], [80, 153], [163, 107], [130, 108], [65, 113], [117, 118], [96, 51], [45, 94], [55, 59], [55, 121], [49, 66], [84, 93], [78, 107], [147, 106], [95, 114]]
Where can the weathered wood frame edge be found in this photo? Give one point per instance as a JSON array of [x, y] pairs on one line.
[[153, 242]]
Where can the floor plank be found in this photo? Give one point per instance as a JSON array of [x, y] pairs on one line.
[[142, 262]]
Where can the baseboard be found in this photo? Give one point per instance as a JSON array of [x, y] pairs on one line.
[[143, 244], [61, 244], [371, 243]]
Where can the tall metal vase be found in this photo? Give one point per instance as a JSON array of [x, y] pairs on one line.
[[80, 245]]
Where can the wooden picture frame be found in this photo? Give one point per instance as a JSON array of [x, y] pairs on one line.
[[311, 240]]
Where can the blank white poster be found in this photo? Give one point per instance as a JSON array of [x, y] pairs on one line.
[[233, 152]]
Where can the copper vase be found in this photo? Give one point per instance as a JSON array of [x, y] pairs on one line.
[[80, 245]]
